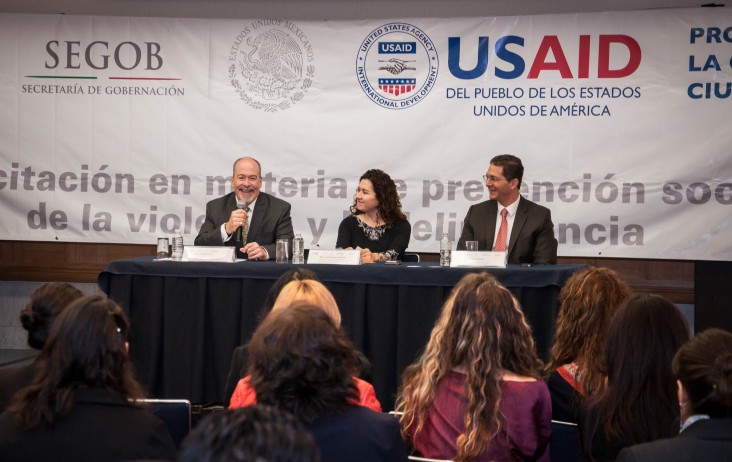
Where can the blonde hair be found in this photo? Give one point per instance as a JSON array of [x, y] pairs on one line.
[[308, 292]]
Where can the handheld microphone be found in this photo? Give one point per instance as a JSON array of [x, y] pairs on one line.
[[240, 237]]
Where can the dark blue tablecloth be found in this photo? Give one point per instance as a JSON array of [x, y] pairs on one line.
[[187, 317]]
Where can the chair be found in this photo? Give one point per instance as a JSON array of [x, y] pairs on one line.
[[175, 413], [565, 445], [410, 258], [425, 459]]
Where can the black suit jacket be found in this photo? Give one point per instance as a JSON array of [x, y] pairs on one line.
[[358, 435], [13, 379], [270, 221], [532, 236], [703, 440], [102, 426]]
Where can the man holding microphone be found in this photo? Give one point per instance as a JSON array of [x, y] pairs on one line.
[[246, 218]]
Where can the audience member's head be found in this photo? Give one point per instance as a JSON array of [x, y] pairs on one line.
[[44, 306], [482, 332], [86, 347], [639, 403], [308, 292], [255, 433], [301, 361], [703, 366], [587, 301], [297, 274]]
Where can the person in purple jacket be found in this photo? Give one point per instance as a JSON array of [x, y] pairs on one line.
[[476, 393]]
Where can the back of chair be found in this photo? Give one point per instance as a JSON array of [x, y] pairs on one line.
[[425, 459], [565, 442], [410, 258], [175, 413]]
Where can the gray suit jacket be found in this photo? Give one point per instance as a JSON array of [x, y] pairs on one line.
[[532, 236], [703, 440], [270, 221]]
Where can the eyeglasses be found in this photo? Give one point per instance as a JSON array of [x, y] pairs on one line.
[[493, 179]]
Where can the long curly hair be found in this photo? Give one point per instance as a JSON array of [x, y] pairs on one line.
[[587, 303], [85, 348], [300, 361], [390, 206], [482, 331]]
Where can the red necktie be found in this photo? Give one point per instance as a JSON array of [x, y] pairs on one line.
[[502, 233]]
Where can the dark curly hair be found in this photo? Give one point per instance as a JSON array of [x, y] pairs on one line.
[[390, 206], [44, 306], [300, 361], [250, 433]]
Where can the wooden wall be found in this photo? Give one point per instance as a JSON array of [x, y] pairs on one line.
[[81, 262]]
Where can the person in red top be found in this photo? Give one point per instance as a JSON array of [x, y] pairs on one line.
[[302, 362], [306, 292], [244, 395], [576, 370]]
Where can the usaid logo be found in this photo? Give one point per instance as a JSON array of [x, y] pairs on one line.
[[397, 65], [397, 47]]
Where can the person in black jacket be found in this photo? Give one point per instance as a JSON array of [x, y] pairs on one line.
[[247, 218], [36, 317], [703, 368], [80, 404], [639, 403], [302, 362], [529, 234]]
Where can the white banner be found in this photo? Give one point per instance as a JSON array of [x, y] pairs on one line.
[[121, 129]]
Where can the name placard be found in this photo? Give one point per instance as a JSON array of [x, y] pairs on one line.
[[223, 254], [334, 257], [478, 259]]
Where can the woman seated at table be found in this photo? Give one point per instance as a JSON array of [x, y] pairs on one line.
[[312, 293], [376, 225], [703, 370], [78, 405], [476, 393], [639, 402], [576, 367], [302, 362]]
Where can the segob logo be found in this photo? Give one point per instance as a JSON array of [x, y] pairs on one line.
[[397, 65], [271, 64]]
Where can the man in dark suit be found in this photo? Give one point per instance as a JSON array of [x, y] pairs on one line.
[[529, 231], [267, 220]]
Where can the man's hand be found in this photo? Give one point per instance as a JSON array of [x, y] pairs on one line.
[[237, 218], [255, 252]]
